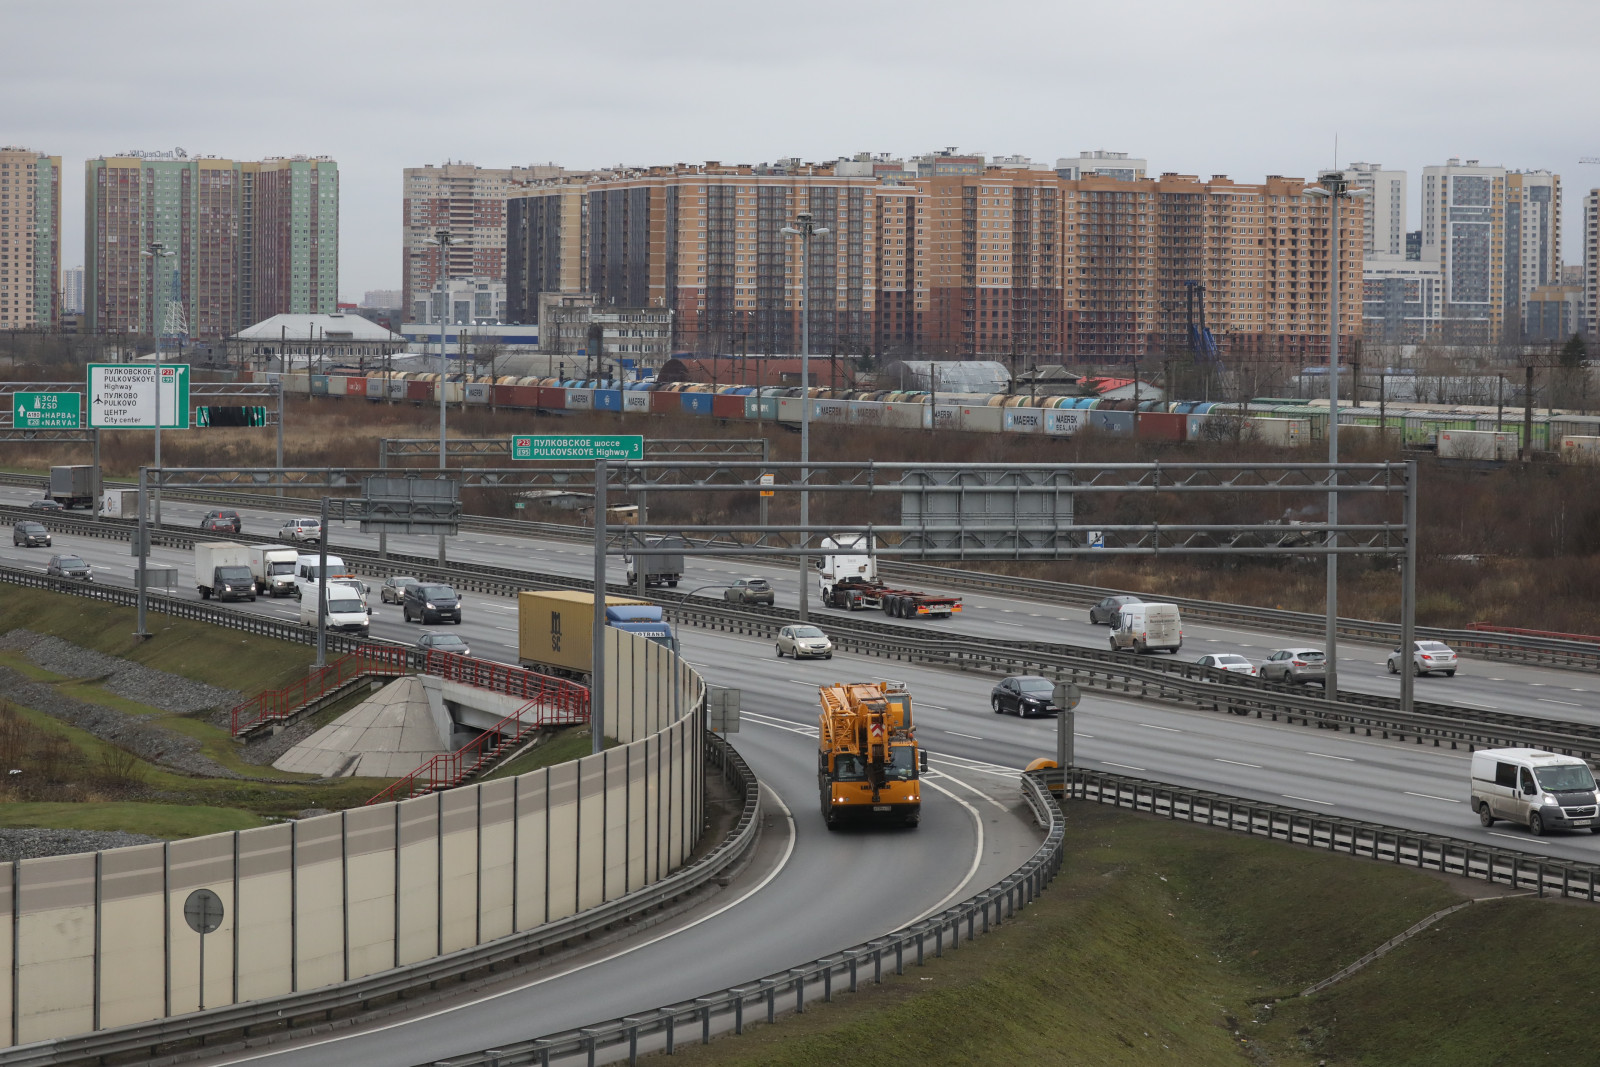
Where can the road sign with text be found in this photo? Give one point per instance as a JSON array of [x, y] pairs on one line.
[[47, 411], [122, 396], [536, 447]]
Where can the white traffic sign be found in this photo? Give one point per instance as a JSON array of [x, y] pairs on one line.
[[122, 396]]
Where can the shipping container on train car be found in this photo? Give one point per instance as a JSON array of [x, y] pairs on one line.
[[419, 387], [789, 408], [1160, 426], [478, 392], [905, 415], [727, 406], [762, 407], [636, 401], [868, 413], [695, 403], [580, 399], [1024, 420], [1277, 431], [1060, 422], [608, 399], [834, 411], [665, 402], [336, 385], [319, 385], [1105, 420], [355, 387]]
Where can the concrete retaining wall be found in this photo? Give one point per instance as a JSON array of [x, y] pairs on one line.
[[100, 940]]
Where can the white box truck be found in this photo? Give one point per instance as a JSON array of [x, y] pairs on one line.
[[120, 503], [222, 570], [1533, 788], [272, 567], [1147, 628]]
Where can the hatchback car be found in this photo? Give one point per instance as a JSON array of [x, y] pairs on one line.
[[46, 505], [431, 603], [1105, 612], [1427, 657], [67, 566], [749, 591], [1227, 661], [221, 520], [1295, 666], [29, 534], [393, 590], [804, 642], [301, 530], [1024, 695], [452, 643]]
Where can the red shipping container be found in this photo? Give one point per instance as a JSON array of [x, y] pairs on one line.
[[355, 387], [724, 406], [419, 390], [1161, 426], [551, 398], [662, 403]]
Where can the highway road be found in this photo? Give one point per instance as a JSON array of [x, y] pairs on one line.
[[829, 890]]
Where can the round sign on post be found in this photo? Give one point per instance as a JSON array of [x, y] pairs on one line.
[[1067, 695], [203, 911]]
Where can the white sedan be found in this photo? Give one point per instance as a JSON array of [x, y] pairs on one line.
[[1427, 657], [1227, 661]]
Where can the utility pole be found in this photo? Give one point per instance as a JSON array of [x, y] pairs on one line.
[[805, 228], [442, 239]]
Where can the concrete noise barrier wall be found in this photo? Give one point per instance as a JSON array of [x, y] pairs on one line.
[[99, 940]]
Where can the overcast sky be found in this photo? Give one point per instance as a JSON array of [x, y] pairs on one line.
[[1243, 88]]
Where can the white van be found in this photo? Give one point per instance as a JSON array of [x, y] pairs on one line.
[[345, 609], [1147, 628], [1534, 788], [305, 574]]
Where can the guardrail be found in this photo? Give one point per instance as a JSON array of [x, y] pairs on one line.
[[1451, 855], [734, 1008], [349, 1001], [1568, 651], [1100, 669]]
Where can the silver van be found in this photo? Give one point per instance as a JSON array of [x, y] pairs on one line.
[[1533, 788]]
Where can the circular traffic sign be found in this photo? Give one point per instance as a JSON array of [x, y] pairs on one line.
[[203, 911]]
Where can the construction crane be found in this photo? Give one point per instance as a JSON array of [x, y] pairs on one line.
[[1201, 343]]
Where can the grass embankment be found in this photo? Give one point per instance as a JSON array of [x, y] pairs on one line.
[[1160, 942]]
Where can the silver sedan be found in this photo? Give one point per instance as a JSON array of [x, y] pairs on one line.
[[804, 642]]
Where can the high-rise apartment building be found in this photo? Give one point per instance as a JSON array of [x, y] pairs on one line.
[[469, 201], [1591, 263], [544, 246], [72, 291], [30, 240], [1464, 231], [1101, 164], [1385, 210], [244, 241], [1533, 237]]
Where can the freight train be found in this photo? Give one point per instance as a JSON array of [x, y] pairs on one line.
[[1266, 419]]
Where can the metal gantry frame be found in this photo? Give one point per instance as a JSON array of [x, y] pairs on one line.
[[1272, 538]]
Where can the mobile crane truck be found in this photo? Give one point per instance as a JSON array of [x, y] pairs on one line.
[[868, 762]]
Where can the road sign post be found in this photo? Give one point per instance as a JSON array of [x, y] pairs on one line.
[[548, 447], [47, 411], [122, 396], [1067, 695]]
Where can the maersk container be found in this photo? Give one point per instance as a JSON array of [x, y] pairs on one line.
[[727, 406], [580, 399], [695, 403], [836, 411], [636, 401], [868, 413], [1024, 420], [1063, 423]]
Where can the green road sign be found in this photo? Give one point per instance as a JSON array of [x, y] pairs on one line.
[[47, 411], [122, 396], [580, 448]]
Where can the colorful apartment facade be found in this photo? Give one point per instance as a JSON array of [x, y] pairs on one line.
[[30, 240]]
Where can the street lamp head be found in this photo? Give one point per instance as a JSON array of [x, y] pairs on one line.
[[819, 231], [790, 231]]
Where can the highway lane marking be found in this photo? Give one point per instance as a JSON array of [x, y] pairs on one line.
[[948, 777], [1324, 755], [1429, 796], [935, 707], [1236, 763], [977, 854], [1568, 703], [1168, 729], [1514, 837], [958, 733], [1539, 685], [1124, 766], [1308, 800], [1496, 679], [1476, 704]]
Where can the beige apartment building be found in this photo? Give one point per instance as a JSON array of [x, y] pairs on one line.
[[30, 240]]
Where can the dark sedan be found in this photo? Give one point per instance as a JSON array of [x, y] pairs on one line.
[[1024, 695], [1104, 612]]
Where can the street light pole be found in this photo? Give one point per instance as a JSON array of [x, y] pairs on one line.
[[1336, 187], [805, 229], [442, 239], [156, 253]]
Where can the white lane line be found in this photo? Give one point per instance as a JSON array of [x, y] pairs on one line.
[[1476, 704], [1497, 680], [1124, 766], [958, 733], [1514, 837], [777, 870], [977, 854], [935, 707], [1430, 796], [1308, 800], [1168, 729], [507, 629], [1236, 763], [1568, 703], [948, 777], [1324, 755], [1537, 685]]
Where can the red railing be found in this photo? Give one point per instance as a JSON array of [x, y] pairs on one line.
[[550, 702], [1489, 627], [279, 703]]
